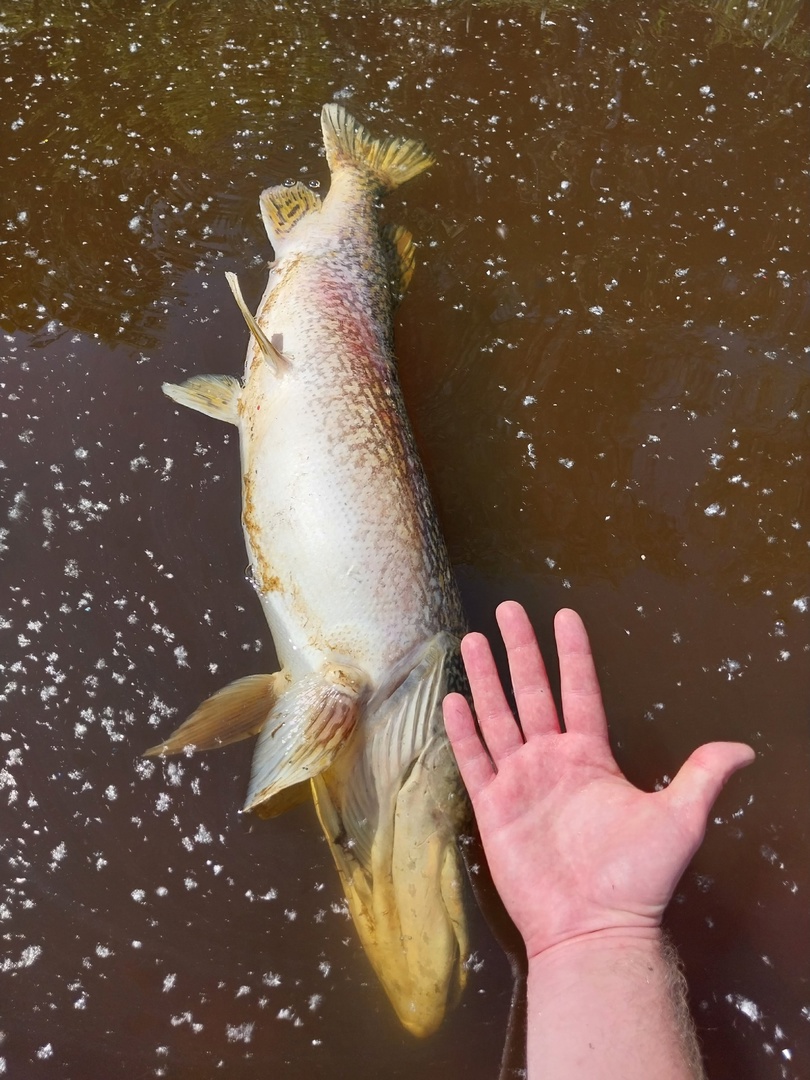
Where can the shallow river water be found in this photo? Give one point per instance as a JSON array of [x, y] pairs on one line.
[[605, 353]]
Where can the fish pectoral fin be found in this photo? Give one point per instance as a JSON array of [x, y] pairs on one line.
[[305, 730], [236, 712], [390, 161], [405, 719], [214, 395], [401, 258], [277, 360], [353, 868], [284, 800], [400, 719], [283, 207]]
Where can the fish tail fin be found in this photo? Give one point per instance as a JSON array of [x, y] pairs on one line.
[[391, 161], [306, 728], [391, 815]]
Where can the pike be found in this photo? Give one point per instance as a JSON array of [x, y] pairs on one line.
[[351, 570]]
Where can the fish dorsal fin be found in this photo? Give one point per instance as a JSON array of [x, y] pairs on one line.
[[305, 730], [214, 395], [236, 712], [277, 360], [283, 207], [389, 161], [401, 258]]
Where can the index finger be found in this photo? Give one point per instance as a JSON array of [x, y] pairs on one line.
[[583, 711]]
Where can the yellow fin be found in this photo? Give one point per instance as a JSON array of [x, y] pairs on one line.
[[283, 207], [305, 730], [277, 360], [401, 258], [390, 161], [285, 800], [236, 712], [214, 395]]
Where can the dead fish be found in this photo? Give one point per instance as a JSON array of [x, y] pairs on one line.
[[352, 571]]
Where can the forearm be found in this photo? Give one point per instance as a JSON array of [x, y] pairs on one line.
[[610, 1008]]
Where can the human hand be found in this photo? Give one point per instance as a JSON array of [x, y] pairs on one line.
[[573, 847]]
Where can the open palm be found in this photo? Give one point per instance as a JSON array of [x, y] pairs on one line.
[[573, 847]]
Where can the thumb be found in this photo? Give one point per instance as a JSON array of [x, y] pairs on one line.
[[702, 776]]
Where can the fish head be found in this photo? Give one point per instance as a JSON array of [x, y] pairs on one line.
[[426, 891], [407, 894]]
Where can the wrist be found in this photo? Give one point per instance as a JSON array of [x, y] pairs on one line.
[[608, 940], [611, 1004]]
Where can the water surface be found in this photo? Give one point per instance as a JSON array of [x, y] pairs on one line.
[[605, 354]]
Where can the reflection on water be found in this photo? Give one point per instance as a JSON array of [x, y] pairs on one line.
[[605, 353]]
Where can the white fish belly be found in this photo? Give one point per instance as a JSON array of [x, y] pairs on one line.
[[331, 519]]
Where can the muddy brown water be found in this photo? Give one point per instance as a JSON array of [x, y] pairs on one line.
[[605, 355]]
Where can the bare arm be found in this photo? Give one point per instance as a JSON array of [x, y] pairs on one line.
[[584, 862]]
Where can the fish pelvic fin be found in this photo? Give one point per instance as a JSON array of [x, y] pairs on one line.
[[275, 358], [305, 730], [401, 258], [390, 161], [214, 395], [236, 712], [283, 208], [391, 817]]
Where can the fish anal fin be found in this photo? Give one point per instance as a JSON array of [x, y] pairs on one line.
[[236, 712], [388, 161], [283, 208], [214, 395], [401, 258], [277, 360], [305, 731]]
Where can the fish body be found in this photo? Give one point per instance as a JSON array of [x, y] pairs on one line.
[[351, 570]]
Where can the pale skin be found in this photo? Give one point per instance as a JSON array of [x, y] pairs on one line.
[[585, 862]]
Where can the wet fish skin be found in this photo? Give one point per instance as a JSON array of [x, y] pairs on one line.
[[352, 571]]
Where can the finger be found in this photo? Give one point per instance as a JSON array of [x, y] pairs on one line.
[[473, 760], [500, 732], [535, 704], [701, 778], [583, 711]]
